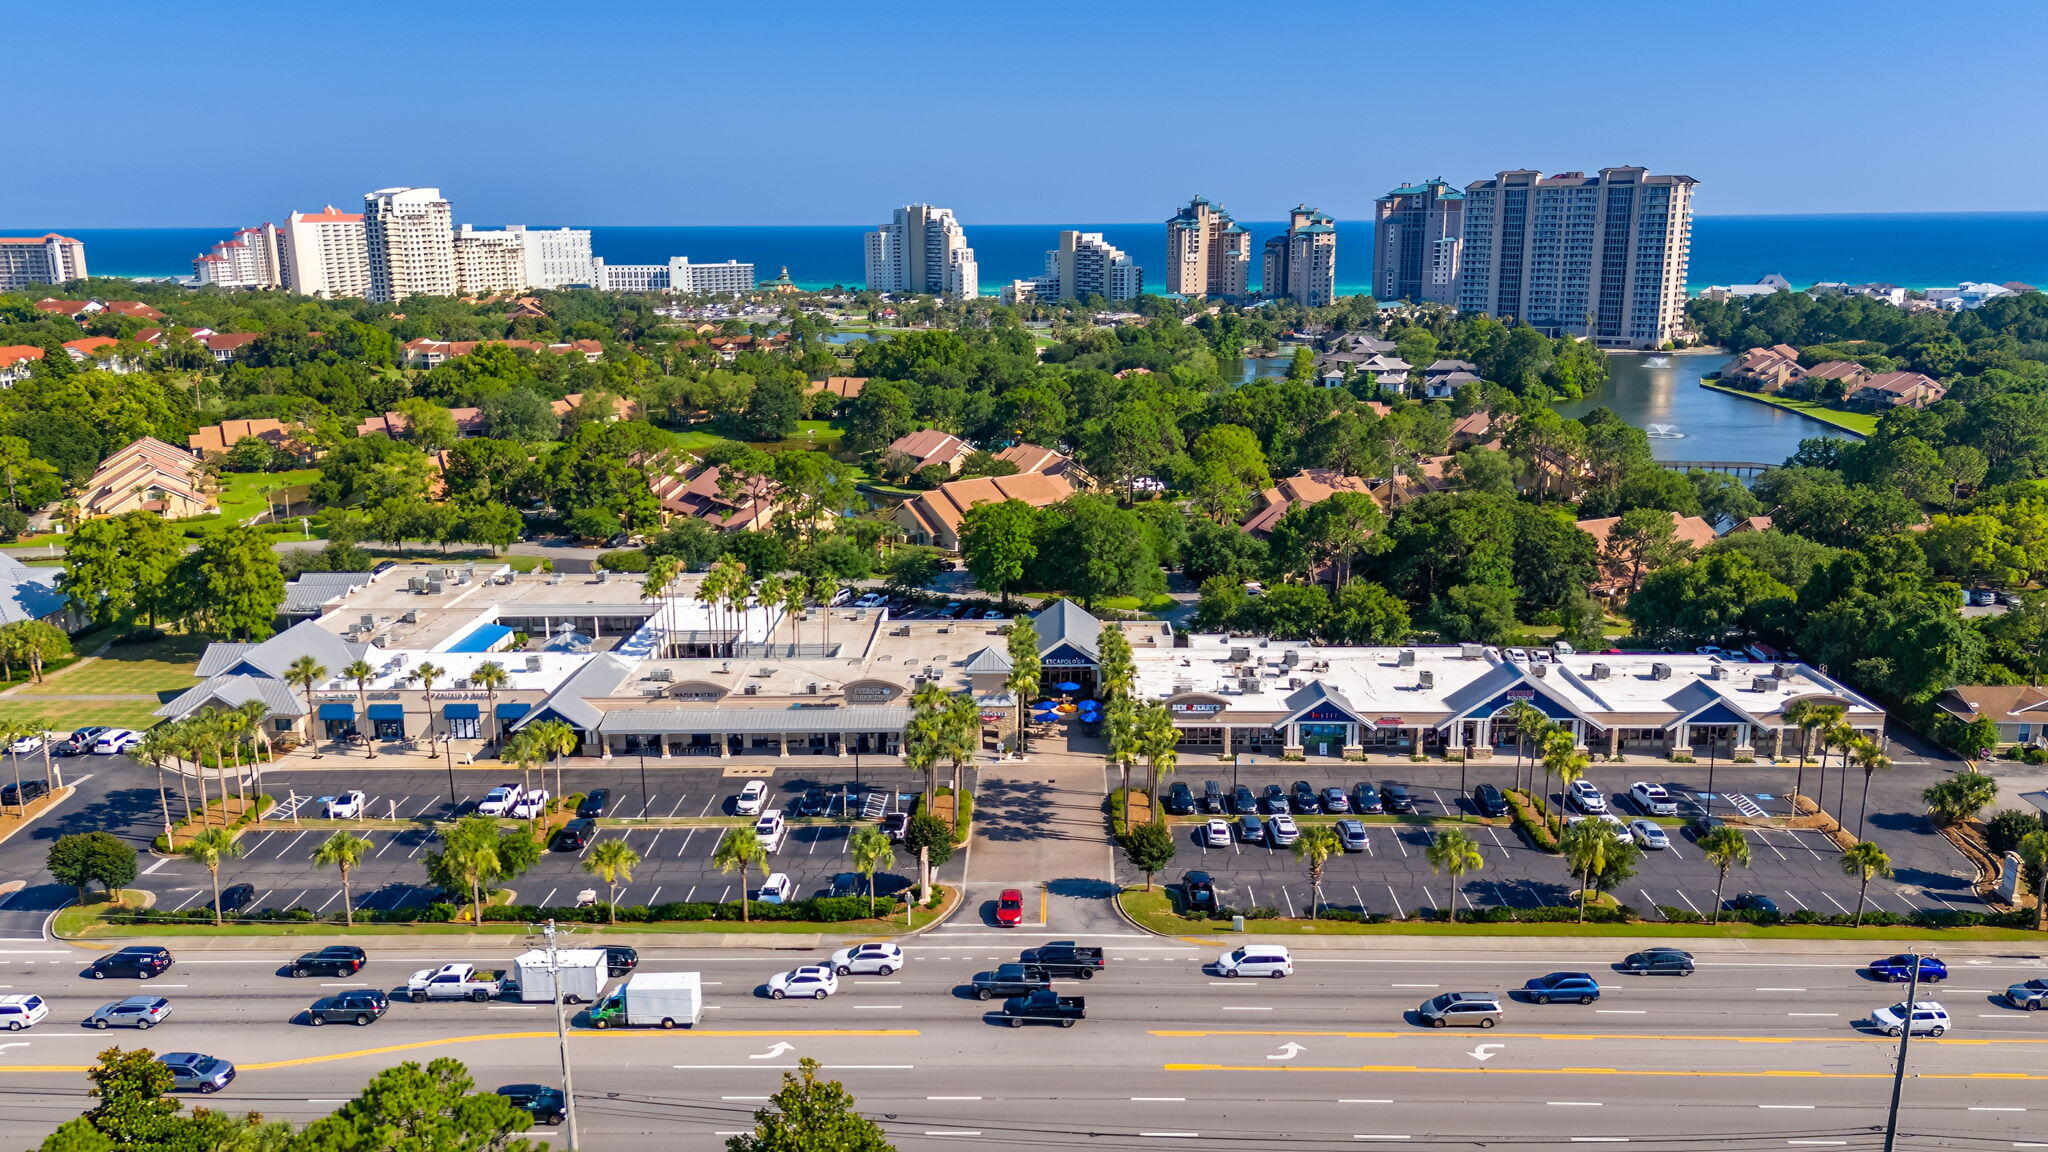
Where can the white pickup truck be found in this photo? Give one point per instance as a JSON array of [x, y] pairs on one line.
[[454, 982]]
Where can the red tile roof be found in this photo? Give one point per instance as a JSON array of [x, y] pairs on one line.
[[12, 354]]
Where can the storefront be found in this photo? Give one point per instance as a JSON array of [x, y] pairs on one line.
[[462, 721], [339, 718], [387, 721]]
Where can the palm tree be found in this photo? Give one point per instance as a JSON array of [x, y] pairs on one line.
[[1585, 846], [520, 749], [490, 676], [1453, 853], [1810, 716], [302, 674], [1528, 724], [1022, 681], [254, 714], [210, 846], [961, 739], [426, 674], [870, 849], [343, 850], [1864, 860], [739, 850], [1960, 797], [825, 589], [158, 745], [1561, 755], [1724, 847], [555, 739], [470, 849], [361, 672], [1836, 735], [924, 733], [1159, 742], [660, 574], [2034, 853], [1316, 844], [1120, 725], [771, 588], [612, 862], [1872, 760], [796, 592]]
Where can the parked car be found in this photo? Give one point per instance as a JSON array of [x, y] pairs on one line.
[[573, 836], [875, 958], [771, 830], [1213, 801], [2010, 599], [1755, 902], [1250, 829], [27, 744], [1242, 802], [546, 1105], [144, 1012], [15, 795], [1395, 798], [1216, 834], [812, 803], [1652, 799], [196, 1071], [871, 600], [752, 798], [498, 801], [142, 961], [894, 825], [1269, 960], [1009, 908], [1365, 798], [333, 960], [359, 1006], [349, 805], [1334, 801], [1304, 799], [235, 897], [1648, 834], [1579, 986], [115, 740], [1899, 969], [594, 803], [1198, 892], [18, 1012], [1659, 962], [778, 888], [1489, 801], [1280, 830], [1351, 834], [1475, 1009], [815, 981], [1585, 796], [620, 959], [79, 743], [1928, 1018], [1180, 800], [2029, 995], [1273, 800], [530, 805]]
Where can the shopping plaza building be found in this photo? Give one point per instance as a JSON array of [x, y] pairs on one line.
[[678, 677]]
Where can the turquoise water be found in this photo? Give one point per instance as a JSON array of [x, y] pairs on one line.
[[1915, 250]]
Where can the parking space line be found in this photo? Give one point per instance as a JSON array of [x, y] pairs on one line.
[[1688, 902], [685, 847], [1397, 902], [690, 893], [707, 806], [1398, 843], [1837, 903], [336, 895], [654, 897], [1796, 899], [548, 901], [388, 842], [424, 809], [1289, 901], [1355, 896]]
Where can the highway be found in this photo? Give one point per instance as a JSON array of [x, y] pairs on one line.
[[1760, 1049]]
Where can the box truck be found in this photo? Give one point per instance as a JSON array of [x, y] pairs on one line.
[[652, 999], [582, 972]]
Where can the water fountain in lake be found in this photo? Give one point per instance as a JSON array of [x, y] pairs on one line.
[[1663, 432], [1658, 361]]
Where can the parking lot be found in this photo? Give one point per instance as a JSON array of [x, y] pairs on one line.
[[675, 861], [1796, 869]]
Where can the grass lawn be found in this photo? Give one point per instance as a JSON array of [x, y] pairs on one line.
[[79, 917], [1159, 603], [697, 440], [1861, 423], [150, 669], [245, 495], [65, 715], [809, 434]]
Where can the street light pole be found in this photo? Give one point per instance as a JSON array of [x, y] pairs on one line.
[[1891, 1120], [562, 1039], [448, 757]]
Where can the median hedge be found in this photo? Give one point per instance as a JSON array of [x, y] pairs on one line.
[[1531, 818]]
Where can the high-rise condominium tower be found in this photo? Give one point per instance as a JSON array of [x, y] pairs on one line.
[[411, 239], [1207, 253], [1418, 236], [251, 258], [324, 254], [1302, 265], [1083, 265], [922, 249], [45, 259], [1597, 256]]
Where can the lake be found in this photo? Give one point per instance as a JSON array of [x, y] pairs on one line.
[[1661, 394]]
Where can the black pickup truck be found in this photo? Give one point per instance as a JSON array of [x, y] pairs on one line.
[[1064, 958], [1011, 980], [1045, 1005]]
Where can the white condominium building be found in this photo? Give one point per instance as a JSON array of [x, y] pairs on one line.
[[251, 258], [411, 238], [45, 259], [1083, 265], [488, 262], [922, 249], [678, 275], [1207, 253], [324, 254], [1602, 257], [555, 257]]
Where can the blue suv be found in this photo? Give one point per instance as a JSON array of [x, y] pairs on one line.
[[1578, 986], [1899, 969]]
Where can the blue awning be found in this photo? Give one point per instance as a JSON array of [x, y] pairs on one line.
[[459, 711], [512, 710], [387, 711], [337, 711]]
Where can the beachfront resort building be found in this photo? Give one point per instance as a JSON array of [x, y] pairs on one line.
[[1083, 265], [45, 259], [1603, 257], [922, 249], [411, 239], [325, 255], [251, 258], [730, 278], [1207, 253], [1418, 240], [1301, 265]]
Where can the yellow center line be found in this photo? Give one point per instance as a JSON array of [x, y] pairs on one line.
[[1685, 1037], [581, 1034], [1762, 1072]]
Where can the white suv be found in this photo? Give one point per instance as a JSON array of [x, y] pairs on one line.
[[1586, 797], [878, 958], [1269, 960], [1652, 799], [349, 805], [529, 805], [751, 798], [1929, 1019], [18, 1012], [771, 830], [498, 800]]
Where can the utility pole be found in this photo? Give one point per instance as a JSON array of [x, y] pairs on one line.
[[562, 1038], [1891, 1120]]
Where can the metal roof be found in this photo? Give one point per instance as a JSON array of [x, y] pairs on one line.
[[234, 691], [1065, 622]]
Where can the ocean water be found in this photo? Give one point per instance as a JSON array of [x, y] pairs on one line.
[[1916, 250]]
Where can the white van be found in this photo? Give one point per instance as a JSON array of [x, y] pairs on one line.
[[18, 1012], [777, 889], [1269, 960]]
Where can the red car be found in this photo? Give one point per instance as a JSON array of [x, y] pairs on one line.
[[1010, 908]]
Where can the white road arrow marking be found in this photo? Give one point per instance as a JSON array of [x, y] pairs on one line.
[[16, 1044], [778, 1049], [1288, 1051], [1485, 1052]]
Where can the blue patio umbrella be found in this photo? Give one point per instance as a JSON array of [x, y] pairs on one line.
[[1067, 686], [1090, 706]]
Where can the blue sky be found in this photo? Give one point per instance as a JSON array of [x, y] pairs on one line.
[[829, 113]]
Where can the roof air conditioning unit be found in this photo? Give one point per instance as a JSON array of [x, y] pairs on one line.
[[1471, 651], [1602, 671], [1290, 658], [533, 663], [600, 577], [368, 622], [1425, 679], [1660, 671], [1766, 684], [1295, 681], [409, 618], [1406, 659], [1782, 671], [1249, 685], [753, 690], [811, 688], [1718, 671], [1541, 671], [1240, 655], [665, 674], [725, 667]]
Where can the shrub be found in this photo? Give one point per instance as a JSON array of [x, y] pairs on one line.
[[2005, 829], [1530, 819]]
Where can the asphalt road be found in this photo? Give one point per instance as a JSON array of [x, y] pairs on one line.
[[1758, 1050]]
